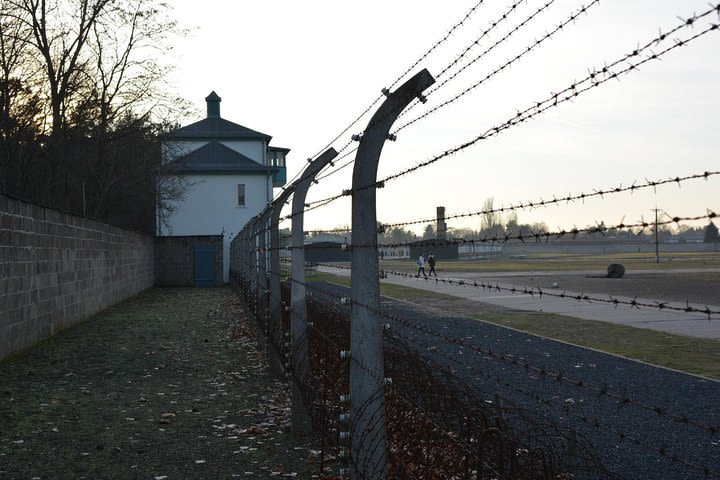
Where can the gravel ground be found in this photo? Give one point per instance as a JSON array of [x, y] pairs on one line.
[[632, 442], [167, 385]]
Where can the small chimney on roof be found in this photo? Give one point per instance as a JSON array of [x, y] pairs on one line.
[[213, 105]]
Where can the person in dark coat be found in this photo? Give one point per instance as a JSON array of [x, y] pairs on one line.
[[431, 262]]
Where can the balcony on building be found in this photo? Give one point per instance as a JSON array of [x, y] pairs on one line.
[[276, 159]]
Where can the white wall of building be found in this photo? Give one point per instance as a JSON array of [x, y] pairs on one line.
[[210, 208], [253, 149]]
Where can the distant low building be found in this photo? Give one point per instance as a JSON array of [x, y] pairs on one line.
[[395, 252], [323, 252], [440, 248], [480, 251]]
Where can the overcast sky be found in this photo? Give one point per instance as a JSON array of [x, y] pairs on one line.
[[301, 71]]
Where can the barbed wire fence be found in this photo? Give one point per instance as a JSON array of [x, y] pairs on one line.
[[384, 391]]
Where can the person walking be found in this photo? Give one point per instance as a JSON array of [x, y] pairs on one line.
[[421, 265], [431, 262]]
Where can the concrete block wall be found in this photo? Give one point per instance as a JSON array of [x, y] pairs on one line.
[[57, 269], [174, 259]]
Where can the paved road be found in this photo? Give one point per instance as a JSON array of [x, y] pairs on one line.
[[679, 323]]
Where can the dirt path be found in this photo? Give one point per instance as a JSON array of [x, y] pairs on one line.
[[165, 386]]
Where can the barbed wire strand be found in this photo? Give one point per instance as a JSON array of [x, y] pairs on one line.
[[558, 376], [493, 24], [508, 63], [523, 364], [477, 58], [373, 374], [595, 78], [557, 200], [555, 375], [485, 52], [537, 236], [422, 57], [539, 292]]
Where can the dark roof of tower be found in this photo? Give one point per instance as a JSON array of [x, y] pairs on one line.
[[216, 128], [214, 157], [213, 97]]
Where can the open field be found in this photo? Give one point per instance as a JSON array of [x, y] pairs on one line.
[[693, 355], [693, 277], [701, 288]]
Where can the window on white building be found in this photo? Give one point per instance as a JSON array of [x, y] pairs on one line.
[[241, 195]]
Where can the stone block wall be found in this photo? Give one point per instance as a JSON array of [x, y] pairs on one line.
[[57, 269], [174, 259]]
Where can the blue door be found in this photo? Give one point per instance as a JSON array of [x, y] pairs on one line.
[[204, 266]]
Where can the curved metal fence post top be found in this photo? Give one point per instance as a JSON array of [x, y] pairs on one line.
[[301, 423], [265, 213], [368, 443], [373, 139], [303, 183], [305, 179], [277, 205], [316, 165]]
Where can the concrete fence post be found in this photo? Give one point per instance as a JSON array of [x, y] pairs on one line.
[[298, 320], [241, 260], [261, 276], [368, 442], [245, 259], [275, 327], [253, 262], [234, 246], [265, 296], [245, 252]]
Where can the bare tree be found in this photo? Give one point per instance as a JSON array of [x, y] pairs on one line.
[[58, 31], [93, 72], [429, 232], [491, 222], [512, 226], [20, 115], [398, 235], [122, 80], [711, 234], [462, 232]]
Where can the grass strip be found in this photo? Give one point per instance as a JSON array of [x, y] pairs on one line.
[[168, 384]]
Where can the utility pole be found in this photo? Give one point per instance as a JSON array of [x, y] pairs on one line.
[[657, 248]]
